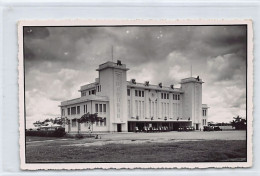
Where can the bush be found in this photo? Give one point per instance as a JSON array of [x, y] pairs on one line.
[[60, 132], [79, 136]]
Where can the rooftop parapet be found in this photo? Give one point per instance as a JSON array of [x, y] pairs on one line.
[[88, 86], [84, 99], [191, 79], [153, 87], [110, 64]]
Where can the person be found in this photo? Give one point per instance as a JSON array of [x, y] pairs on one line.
[[136, 129]]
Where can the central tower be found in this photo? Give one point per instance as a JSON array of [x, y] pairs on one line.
[[112, 79]]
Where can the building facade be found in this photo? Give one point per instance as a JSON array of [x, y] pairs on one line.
[[127, 105]]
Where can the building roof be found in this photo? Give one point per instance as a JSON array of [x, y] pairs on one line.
[[153, 87], [84, 99]]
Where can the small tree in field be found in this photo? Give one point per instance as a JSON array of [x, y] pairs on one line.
[[90, 119]]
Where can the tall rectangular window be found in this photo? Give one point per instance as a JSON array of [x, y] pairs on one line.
[[78, 109], [68, 111], [128, 108], [142, 93], [136, 93], [161, 95], [100, 107], [105, 121], [96, 107], [167, 96], [178, 97], [104, 108], [128, 92], [73, 110], [73, 124]]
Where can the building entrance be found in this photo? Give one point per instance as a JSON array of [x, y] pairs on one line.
[[119, 128]]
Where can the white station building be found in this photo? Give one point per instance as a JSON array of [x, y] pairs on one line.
[[127, 105]]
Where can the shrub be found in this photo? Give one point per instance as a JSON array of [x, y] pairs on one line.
[[60, 132], [79, 136]]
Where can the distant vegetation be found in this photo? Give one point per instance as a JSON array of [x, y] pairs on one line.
[[239, 123]]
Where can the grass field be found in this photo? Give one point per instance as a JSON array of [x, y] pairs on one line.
[[170, 151]]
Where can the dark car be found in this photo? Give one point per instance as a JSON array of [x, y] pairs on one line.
[[216, 128], [208, 128]]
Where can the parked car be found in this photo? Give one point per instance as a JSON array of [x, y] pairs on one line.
[[208, 128], [216, 128]]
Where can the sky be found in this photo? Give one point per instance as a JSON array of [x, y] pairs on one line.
[[58, 60]]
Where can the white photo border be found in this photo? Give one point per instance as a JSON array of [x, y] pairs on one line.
[[81, 22]]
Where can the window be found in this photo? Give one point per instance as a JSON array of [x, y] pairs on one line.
[[142, 93], [105, 121], [100, 107], [205, 113], [128, 92], [136, 93], [178, 97], [89, 92], [96, 107], [78, 109], [100, 88], [164, 95], [93, 92], [167, 96], [74, 123], [62, 112], [161, 95], [104, 108], [68, 111], [73, 110]]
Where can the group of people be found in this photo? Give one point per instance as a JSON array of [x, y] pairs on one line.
[[152, 129]]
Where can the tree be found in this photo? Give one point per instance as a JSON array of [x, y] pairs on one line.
[[90, 119], [239, 123]]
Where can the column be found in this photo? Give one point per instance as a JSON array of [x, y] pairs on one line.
[[132, 104]]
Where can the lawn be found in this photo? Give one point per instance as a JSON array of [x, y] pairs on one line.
[[172, 151]]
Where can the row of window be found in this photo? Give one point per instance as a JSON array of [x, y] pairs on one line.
[[204, 112], [140, 93], [100, 108], [98, 123], [166, 96], [74, 110]]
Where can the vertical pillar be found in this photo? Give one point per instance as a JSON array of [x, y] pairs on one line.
[[132, 102], [146, 103]]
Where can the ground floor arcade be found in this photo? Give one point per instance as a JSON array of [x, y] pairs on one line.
[[140, 126]]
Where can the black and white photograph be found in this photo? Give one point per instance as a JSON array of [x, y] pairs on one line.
[[135, 94]]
